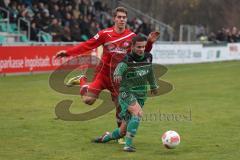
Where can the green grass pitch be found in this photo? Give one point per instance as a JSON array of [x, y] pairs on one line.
[[29, 129]]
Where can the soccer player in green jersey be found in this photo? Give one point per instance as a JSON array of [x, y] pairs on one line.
[[134, 74]]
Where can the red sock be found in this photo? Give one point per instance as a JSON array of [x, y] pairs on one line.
[[83, 89]]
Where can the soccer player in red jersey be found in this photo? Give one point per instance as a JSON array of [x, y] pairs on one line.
[[116, 42]]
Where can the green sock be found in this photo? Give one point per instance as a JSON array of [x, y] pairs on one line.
[[116, 134], [112, 136], [132, 129]]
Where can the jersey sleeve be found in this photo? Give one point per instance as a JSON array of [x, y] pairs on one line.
[[148, 47], [151, 77], [88, 45], [121, 67], [152, 80]]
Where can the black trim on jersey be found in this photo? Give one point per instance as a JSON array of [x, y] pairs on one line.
[[133, 60]]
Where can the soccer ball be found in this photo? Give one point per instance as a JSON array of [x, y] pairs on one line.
[[170, 139]]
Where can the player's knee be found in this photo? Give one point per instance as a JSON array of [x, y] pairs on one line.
[[89, 100], [138, 113]]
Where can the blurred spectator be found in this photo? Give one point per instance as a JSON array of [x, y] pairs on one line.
[[76, 13], [27, 2], [4, 3], [85, 25], [14, 12], [200, 31], [221, 36], [238, 36], [55, 30], [144, 28], [66, 37], [56, 12], [94, 28], [227, 35], [212, 37], [234, 32], [67, 20], [34, 32], [98, 6], [76, 33], [45, 20]]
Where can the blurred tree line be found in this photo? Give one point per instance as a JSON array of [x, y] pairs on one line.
[[213, 14]]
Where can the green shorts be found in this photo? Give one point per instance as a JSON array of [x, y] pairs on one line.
[[125, 99]]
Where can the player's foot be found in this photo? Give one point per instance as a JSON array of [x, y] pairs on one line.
[[102, 139], [129, 149], [121, 141], [75, 81]]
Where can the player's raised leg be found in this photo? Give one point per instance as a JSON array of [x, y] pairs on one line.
[[77, 81], [114, 135], [118, 117], [133, 122]]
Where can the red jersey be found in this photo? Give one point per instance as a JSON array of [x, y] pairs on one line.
[[115, 46]]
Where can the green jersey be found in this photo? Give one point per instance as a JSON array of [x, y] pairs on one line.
[[137, 74]]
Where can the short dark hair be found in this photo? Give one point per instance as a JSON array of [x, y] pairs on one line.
[[119, 9], [138, 38]]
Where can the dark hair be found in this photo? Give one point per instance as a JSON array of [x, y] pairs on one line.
[[138, 38], [119, 9]]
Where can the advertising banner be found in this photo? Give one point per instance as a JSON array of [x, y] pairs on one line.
[[27, 59], [177, 53]]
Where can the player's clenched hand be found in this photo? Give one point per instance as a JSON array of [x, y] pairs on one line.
[[153, 36], [61, 54], [154, 91], [117, 78]]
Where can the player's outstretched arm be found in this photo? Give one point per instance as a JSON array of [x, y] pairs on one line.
[[152, 38], [85, 47]]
